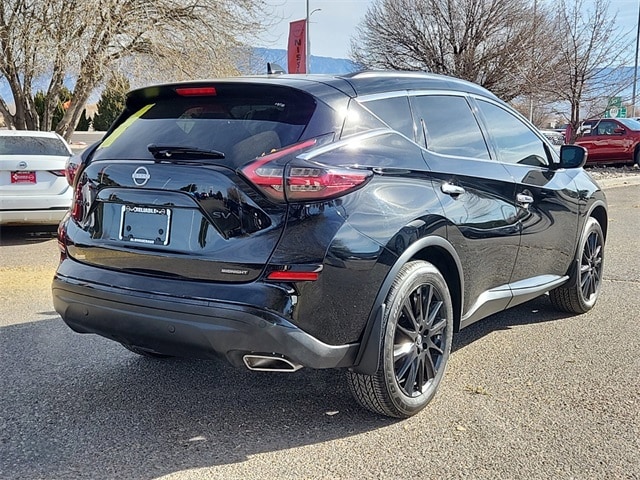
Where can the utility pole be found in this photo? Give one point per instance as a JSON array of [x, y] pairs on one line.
[[307, 39], [635, 67], [308, 44], [533, 52]]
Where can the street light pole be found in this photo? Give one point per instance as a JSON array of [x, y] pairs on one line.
[[533, 51], [307, 39], [307, 44], [635, 67]]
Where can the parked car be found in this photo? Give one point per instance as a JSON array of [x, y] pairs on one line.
[[352, 222], [556, 138], [33, 188], [611, 140]]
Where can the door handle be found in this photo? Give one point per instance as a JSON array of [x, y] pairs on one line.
[[524, 199], [451, 189]]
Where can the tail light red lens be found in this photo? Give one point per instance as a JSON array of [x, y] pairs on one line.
[[77, 206], [282, 177], [71, 168]]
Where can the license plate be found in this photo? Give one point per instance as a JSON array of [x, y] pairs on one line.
[[149, 225], [23, 177]]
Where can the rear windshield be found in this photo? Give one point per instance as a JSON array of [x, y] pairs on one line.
[[23, 145], [241, 122]]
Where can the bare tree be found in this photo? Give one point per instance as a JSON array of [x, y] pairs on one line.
[[593, 55], [52, 41], [489, 42]]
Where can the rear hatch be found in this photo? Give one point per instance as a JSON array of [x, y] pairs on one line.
[[32, 165], [164, 194]]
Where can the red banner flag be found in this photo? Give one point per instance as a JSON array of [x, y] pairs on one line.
[[297, 49]]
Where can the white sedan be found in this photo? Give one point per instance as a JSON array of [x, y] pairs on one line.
[[33, 186]]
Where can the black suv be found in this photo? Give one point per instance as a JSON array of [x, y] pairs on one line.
[[352, 222]]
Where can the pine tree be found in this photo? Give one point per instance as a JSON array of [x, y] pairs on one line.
[[84, 123], [39, 99], [111, 102]]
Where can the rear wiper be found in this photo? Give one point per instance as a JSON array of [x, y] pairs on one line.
[[165, 152]]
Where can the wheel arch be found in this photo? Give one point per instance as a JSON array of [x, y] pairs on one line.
[[599, 211], [435, 250]]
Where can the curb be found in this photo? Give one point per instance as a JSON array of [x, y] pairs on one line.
[[619, 181]]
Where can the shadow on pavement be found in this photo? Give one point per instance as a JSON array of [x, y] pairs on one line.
[[22, 235]]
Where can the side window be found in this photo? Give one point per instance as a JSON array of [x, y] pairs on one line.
[[606, 127], [450, 128], [358, 120], [395, 112], [515, 141]]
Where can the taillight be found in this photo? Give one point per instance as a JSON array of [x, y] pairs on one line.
[[71, 168], [282, 177], [267, 172], [314, 183], [77, 205]]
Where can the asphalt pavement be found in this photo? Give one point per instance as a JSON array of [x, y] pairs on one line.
[[528, 394]]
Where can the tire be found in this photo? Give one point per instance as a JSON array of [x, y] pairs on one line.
[[581, 292], [143, 352], [414, 353], [636, 157]]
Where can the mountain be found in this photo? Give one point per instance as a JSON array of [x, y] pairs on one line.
[[258, 62]]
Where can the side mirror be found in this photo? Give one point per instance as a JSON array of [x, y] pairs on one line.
[[572, 156], [619, 131]]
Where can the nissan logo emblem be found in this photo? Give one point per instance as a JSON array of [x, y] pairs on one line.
[[140, 176], [22, 165]]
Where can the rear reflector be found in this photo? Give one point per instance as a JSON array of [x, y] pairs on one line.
[[289, 276], [196, 91]]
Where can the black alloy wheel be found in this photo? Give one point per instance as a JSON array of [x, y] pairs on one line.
[[418, 343], [583, 288], [416, 347]]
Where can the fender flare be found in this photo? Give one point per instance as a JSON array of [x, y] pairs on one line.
[[368, 358]]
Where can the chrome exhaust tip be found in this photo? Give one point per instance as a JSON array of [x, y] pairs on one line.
[[267, 363]]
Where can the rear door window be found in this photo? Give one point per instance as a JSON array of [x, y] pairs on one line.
[[449, 126], [395, 112], [241, 122], [606, 127]]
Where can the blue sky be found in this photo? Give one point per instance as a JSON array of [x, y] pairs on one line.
[[335, 23]]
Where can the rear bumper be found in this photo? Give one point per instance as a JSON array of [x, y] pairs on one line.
[[190, 327], [35, 209], [51, 216]]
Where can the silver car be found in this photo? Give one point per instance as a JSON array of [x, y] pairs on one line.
[[33, 186]]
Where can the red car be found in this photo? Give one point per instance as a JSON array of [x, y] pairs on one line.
[[611, 140]]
